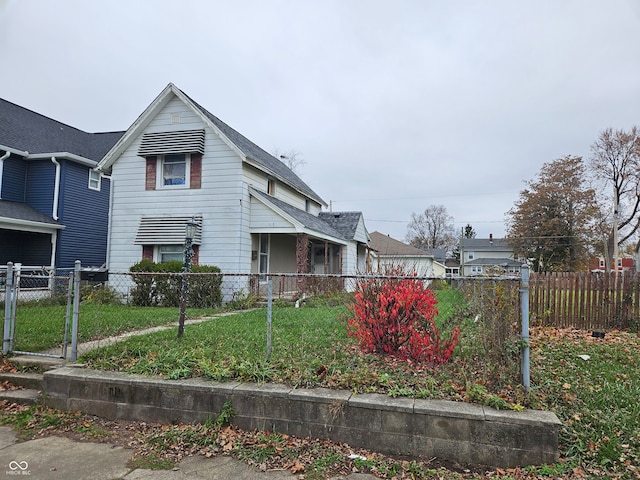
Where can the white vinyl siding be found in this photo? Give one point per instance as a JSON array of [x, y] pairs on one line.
[[222, 200]]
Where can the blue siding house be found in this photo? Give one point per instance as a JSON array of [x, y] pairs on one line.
[[54, 206]]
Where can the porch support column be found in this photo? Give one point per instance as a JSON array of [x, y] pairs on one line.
[[326, 257], [302, 259]]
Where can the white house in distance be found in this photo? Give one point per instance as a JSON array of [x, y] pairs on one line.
[[481, 256], [386, 253], [254, 214]]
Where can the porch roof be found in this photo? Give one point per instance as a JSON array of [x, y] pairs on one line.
[[20, 216], [304, 219]]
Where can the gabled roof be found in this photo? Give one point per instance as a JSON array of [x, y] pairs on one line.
[[387, 246], [245, 148], [344, 222], [440, 254], [21, 214], [30, 132], [302, 218]]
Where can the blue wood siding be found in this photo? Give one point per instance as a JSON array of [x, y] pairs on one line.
[[84, 213], [14, 178], [40, 184]]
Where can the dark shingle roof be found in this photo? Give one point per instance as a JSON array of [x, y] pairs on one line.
[[485, 244], [21, 211], [258, 155], [25, 130], [344, 222], [305, 218]]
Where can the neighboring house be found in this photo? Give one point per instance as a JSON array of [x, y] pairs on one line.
[[53, 204], [625, 264], [483, 256], [254, 214], [452, 268], [386, 253]]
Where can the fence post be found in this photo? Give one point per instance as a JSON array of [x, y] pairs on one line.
[[8, 303], [524, 306], [76, 308], [269, 315]]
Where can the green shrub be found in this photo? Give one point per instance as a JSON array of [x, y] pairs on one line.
[[205, 291], [165, 288]]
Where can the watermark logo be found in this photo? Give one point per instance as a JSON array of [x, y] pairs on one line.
[[18, 468]]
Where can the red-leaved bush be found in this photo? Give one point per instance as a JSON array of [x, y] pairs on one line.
[[396, 316]]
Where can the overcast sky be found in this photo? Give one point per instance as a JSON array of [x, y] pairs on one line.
[[393, 105]]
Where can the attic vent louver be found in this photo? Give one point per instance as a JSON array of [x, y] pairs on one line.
[[166, 230], [163, 143]]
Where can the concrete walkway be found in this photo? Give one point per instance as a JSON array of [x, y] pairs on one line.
[[61, 458]]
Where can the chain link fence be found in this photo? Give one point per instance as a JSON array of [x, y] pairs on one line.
[[112, 306]]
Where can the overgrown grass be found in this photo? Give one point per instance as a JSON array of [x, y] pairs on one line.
[[596, 399], [593, 386]]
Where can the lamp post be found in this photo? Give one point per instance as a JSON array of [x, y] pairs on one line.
[[190, 232]]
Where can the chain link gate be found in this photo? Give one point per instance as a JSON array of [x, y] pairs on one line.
[[11, 284]]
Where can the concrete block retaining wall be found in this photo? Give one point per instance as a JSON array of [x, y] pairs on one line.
[[461, 432]]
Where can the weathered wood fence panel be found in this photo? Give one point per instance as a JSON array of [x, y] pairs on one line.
[[585, 300]]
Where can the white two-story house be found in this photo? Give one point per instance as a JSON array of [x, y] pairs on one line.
[[254, 214], [487, 256]]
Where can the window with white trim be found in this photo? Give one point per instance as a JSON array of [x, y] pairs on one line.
[[167, 253], [470, 255], [175, 169], [476, 269], [94, 179]]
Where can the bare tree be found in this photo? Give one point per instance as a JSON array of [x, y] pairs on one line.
[[292, 159], [432, 228], [615, 160]]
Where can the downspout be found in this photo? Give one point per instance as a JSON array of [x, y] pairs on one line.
[[56, 189], [2, 159], [56, 196], [109, 223]]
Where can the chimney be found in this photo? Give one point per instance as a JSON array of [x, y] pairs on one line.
[[491, 239]]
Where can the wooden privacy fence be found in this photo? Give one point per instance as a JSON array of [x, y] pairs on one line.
[[592, 301]]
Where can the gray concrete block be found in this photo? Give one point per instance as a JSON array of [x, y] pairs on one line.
[[455, 431]]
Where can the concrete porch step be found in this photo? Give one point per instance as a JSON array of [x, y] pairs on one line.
[[27, 396], [40, 363], [23, 379]]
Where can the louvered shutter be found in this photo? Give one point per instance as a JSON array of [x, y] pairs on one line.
[[165, 143], [166, 230]]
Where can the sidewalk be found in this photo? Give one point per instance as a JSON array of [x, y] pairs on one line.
[[61, 458]]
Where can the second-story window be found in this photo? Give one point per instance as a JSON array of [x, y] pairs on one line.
[[271, 187], [94, 179], [175, 170]]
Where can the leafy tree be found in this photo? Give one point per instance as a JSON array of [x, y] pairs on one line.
[[552, 223], [615, 161], [432, 228]]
